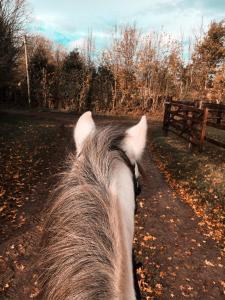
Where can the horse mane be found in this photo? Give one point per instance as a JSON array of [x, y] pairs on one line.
[[81, 256]]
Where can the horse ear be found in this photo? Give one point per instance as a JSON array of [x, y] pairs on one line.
[[85, 125], [135, 140]]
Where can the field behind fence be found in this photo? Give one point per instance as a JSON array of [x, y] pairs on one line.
[[193, 121]]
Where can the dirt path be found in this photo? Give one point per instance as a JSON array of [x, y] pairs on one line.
[[180, 261], [176, 259]]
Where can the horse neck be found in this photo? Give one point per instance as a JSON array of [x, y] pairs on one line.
[[121, 188]]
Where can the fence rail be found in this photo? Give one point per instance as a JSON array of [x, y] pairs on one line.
[[190, 122]]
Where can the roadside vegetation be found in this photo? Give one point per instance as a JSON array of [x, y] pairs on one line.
[[198, 177]]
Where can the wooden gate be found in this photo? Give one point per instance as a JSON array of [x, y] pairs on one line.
[[190, 122]]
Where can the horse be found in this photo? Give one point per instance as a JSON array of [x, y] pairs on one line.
[[88, 234]]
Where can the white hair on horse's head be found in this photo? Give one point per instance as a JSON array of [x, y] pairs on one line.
[[134, 139], [84, 254]]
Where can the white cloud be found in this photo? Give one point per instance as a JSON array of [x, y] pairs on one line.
[[74, 18]]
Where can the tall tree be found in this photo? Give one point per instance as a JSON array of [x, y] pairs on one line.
[[42, 68], [74, 80], [102, 89], [12, 21], [209, 57]]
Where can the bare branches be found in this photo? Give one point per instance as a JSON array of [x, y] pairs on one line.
[[12, 22], [14, 15]]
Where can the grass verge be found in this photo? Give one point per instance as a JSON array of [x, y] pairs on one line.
[[199, 178]]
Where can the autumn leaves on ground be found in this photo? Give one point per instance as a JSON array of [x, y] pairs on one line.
[[179, 233]]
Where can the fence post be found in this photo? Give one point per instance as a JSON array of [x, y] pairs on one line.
[[219, 117], [203, 129], [190, 131], [166, 119]]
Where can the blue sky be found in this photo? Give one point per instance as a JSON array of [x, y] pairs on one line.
[[68, 22]]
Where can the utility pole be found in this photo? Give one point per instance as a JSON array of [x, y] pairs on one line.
[[27, 70]]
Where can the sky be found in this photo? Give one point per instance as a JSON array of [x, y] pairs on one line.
[[68, 22]]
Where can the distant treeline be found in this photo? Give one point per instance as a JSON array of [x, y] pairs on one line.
[[137, 72]]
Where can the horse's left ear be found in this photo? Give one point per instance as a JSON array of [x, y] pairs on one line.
[[85, 125], [135, 140]]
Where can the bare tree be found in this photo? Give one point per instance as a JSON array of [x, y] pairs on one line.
[[121, 58], [12, 20]]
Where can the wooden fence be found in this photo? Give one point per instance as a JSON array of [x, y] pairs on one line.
[[190, 120]]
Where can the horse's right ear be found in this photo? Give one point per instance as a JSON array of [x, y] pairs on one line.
[[85, 125], [135, 140]]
